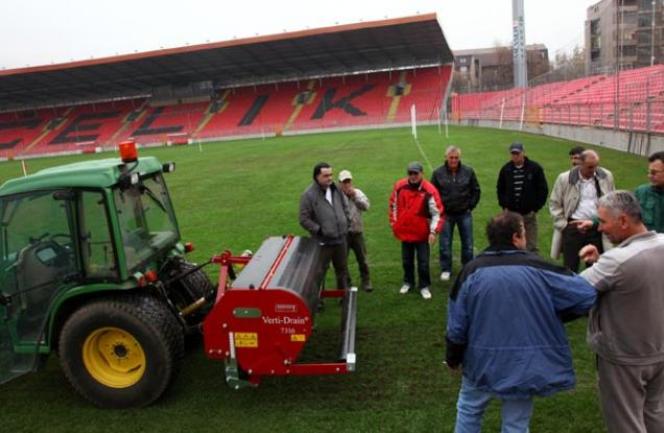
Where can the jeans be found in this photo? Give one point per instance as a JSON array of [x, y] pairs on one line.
[[408, 251], [465, 223], [515, 414]]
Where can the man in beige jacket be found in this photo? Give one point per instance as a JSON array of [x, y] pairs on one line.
[[573, 207]]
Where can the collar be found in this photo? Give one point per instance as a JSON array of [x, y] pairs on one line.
[[501, 249], [638, 237]]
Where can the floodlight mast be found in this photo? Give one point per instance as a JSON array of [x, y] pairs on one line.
[[519, 45]]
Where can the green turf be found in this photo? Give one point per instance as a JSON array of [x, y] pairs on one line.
[[234, 194]]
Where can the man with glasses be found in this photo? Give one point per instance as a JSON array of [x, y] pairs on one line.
[[573, 207], [416, 216], [460, 192], [651, 196]]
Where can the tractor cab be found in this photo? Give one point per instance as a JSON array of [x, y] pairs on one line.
[[79, 233]]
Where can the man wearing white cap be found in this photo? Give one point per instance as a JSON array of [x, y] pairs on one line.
[[357, 203]]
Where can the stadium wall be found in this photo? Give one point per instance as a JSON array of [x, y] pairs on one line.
[[633, 142]]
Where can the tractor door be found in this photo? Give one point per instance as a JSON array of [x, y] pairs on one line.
[[38, 258]]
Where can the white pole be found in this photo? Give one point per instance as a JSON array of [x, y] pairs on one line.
[[523, 110], [24, 168], [447, 131], [200, 146], [502, 110], [439, 131], [413, 121]]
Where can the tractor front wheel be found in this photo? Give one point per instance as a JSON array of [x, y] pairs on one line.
[[123, 351]]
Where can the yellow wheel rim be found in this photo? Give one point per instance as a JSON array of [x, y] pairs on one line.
[[114, 357]]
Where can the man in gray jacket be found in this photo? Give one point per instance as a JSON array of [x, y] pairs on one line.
[[626, 326], [324, 214], [357, 203]]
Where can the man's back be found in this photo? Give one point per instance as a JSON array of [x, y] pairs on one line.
[[505, 309]]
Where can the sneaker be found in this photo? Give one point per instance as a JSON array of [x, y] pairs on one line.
[[426, 294], [445, 276], [367, 288], [404, 289]]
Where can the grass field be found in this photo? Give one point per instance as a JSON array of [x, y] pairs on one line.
[[232, 195]]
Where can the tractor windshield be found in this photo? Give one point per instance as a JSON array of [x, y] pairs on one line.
[[147, 221]]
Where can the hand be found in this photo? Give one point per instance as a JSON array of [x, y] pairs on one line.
[[582, 225], [589, 254], [432, 238]]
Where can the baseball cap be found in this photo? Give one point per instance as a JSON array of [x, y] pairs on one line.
[[415, 166], [516, 147], [344, 175]]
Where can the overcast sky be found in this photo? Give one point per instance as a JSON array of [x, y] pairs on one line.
[[37, 32]]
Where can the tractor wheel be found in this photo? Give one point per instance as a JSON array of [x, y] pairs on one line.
[[123, 351], [184, 291]]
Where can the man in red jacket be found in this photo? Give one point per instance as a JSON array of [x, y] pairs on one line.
[[416, 216]]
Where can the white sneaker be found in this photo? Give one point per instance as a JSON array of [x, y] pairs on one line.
[[404, 289], [426, 294], [445, 276]]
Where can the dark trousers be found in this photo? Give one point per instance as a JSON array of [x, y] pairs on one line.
[[465, 223], [338, 255], [408, 252], [357, 245], [574, 240]]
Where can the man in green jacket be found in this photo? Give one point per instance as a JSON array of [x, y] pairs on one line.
[[651, 196]]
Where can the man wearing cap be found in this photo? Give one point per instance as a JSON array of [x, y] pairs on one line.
[[416, 216], [324, 214], [522, 188], [357, 203]]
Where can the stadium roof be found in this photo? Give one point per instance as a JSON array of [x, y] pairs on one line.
[[389, 44]]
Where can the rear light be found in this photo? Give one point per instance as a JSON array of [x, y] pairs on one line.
[[188, 247], [151, 276], [128, 152]]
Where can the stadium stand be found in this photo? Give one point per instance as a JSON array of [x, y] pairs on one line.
[[341, 102], [268, 85], [632, 100]]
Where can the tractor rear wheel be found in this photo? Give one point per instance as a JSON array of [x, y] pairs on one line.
[[188, 289], [123, 351]]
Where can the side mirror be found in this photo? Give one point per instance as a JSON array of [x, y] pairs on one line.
[[168, 167]]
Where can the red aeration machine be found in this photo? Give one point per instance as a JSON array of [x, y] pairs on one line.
[[262, 319]]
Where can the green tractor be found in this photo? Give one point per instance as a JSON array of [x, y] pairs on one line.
[[93, 269]]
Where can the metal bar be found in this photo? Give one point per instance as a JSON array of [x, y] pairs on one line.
[[333, 293], [318, 368], [349, 324], [277, 262]]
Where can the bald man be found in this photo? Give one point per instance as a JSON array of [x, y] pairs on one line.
[[573, 207]]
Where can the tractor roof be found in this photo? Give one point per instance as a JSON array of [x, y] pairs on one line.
[[100, 173]]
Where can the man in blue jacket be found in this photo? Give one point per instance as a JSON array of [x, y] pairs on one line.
[[505, 327]]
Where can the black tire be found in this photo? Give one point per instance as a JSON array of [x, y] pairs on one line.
[[186, 290], [149, 322]]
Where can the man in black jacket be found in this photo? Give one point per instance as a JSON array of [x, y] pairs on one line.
[[460, 193], [324, 214], [522, 188]]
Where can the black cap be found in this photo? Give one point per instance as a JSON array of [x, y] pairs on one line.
[[415, 166], [516, 147]]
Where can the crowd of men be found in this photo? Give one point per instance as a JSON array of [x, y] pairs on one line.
[[507, 306]]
